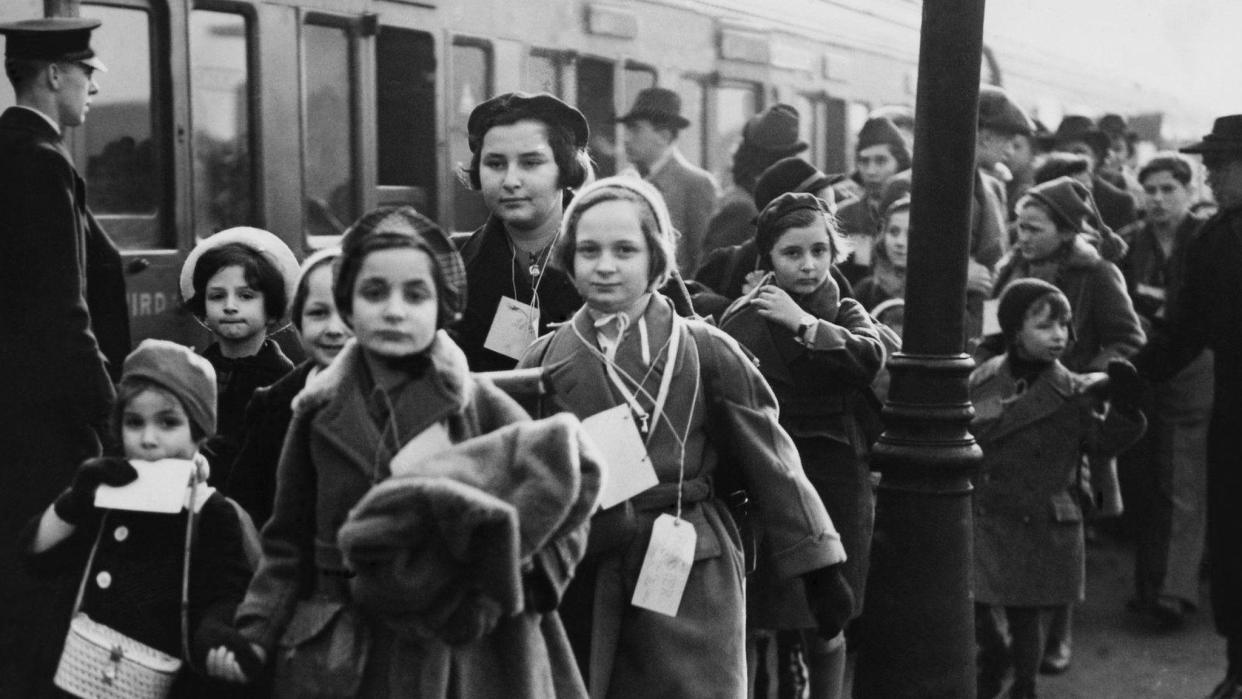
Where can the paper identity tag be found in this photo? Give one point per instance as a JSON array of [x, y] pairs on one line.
[[628, 469], [160, 487], [514, 327], [666, 567], [991, 319]]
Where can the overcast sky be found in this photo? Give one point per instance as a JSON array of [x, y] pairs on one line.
[[1190, 48]]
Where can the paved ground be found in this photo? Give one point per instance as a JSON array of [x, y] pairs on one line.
[[1118, 654]]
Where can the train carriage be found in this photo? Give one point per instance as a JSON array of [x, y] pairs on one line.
[[298, 115]]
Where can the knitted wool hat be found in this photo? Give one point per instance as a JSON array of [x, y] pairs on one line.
[[182, 373], [406, 222], [1069, 200], [790, 174], [766, 233], [563, 254], [1016, 300], [879, 130], [257, 239], [1000, 113]]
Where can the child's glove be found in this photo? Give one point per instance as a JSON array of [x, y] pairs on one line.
[[830, 598], [76, 503], [213, 635], [1125, 386]]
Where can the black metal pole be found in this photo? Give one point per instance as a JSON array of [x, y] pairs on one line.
[[918, 630]]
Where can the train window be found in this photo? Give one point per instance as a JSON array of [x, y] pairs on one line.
[[328, 185], [595, 99], [735, 103], [690, 141], [122, 143], [220, 98], [543, 72], [835, 132], [806, 127], [856, 115], [472, 83], [405, 77], [637, 78]]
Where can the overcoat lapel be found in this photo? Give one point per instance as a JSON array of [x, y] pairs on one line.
[[1044, 398]]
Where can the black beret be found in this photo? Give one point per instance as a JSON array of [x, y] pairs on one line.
[[514, 106]]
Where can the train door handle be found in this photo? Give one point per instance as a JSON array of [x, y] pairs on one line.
[[138, 265]]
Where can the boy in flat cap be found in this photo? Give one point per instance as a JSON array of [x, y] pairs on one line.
[[60, 277], [1207, 313]]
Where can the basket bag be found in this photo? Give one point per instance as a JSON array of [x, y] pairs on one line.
[[99, 662]]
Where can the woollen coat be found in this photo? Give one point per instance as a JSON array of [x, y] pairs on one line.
[[819, 388], [236, 381], [690, 193], [721, 402], [1028, 524], [334, 453], [1105, 326], [1207, 313]]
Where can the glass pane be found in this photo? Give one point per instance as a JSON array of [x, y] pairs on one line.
[[595, 95], [122, 158], [691, 139], [472, 83], [405, 77], [855, 118], [328, 154], [806, 126], [734, 105], [220, 107], [543, 74], [638, 79]]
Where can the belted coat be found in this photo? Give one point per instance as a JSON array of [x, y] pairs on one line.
[[717, 402]]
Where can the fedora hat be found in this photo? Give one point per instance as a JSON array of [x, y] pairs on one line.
[[791, 174], [1226, 137], [658, 105], [774, 130], [1080, 128]]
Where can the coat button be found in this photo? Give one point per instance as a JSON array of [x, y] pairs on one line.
[[103, 580], [1026, 519], [121, 533]]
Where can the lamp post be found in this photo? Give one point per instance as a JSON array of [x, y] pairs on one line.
[[918, 635]]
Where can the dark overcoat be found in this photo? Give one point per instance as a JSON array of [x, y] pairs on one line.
[[1207, 313], [633, 652], [491, 273], [66, 326], [236, 381], [335, 451], [819, 388], [690, 193], [1028, 524]]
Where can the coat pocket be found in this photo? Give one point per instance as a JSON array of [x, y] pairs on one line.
[[1065, 508], [323, 651]]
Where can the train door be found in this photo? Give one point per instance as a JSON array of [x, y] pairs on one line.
[[732, 103], [596, 100], [472, 82], [405, 115], [133, 153]]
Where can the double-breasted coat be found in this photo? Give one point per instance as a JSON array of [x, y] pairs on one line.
[[1028, 523], [337, 448], [819, 388], [717, 402], [66, 326]]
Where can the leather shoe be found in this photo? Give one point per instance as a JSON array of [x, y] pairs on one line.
[[1229, 688], [1056, 660]]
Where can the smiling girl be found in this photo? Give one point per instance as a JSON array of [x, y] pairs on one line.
[[819, 353], [238, 284]]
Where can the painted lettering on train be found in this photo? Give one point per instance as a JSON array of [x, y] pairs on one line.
[[148, 303]]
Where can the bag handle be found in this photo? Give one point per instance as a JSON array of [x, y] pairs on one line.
[[191, 533]]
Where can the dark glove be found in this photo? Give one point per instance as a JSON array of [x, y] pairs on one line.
[[1124, 385], [213, 633], [76, 503], [830, 598]]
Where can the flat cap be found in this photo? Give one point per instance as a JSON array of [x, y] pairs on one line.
[[52, 39]]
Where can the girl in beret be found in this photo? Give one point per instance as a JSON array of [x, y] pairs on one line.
[[708, 424], [132, 582], [528, 153], [819, 353], [397, 394], [238, 284]]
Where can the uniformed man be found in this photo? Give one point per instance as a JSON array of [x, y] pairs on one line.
[[1207, 313], [58, 271]]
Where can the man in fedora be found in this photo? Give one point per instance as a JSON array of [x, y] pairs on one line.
[[651, 129], [62, 295], [1207, 314], [1078, 134], [767, 137]]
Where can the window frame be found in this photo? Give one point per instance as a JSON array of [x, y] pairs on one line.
[[454, 190]]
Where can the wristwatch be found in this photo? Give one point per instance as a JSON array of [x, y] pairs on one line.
[[805, 324]]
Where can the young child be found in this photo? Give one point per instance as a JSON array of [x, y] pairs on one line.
[[238, 283], [1034, 419], [819, 353], [165, 409], [252, 480]]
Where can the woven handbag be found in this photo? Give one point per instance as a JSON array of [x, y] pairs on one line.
[[99, 662]]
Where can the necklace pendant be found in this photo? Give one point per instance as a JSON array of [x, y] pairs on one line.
[[534, 270]]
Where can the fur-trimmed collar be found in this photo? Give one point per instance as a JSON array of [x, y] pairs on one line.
[[449, 373]]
